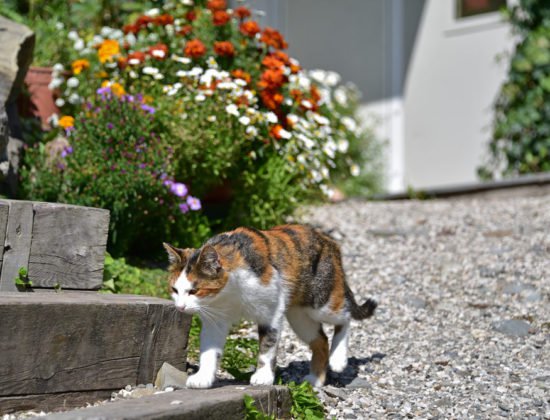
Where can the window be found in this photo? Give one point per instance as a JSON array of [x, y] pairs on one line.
[[467, 8]]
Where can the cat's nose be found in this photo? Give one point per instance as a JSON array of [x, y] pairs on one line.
[[180, 308]]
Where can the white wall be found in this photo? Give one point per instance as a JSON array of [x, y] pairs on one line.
[[450, 87]]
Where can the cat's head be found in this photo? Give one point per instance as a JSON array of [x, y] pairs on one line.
[[196, 276]]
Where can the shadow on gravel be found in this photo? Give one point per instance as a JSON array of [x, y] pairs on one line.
[[349, 378]]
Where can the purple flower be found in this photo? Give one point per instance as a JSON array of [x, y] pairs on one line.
[[178, 189], [148, 108], [66, 151], [194, 203], [168, 182], [110, 126], [142, 165], [184, 208], [103, 91]]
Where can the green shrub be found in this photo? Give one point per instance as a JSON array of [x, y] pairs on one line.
[[521, 132], [118, 158]]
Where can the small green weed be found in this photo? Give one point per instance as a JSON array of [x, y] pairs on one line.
[[22, 280], [251, 412], [305, 404]]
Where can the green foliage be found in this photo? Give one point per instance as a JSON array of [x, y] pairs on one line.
[[305, 404], [22, 280], [252, 412], [119, 159], [521, 131], [121, 277]]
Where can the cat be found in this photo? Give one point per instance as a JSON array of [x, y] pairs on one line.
[[291, 270]]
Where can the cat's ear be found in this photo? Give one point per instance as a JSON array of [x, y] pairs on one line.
[[209, 261], [176, 256]]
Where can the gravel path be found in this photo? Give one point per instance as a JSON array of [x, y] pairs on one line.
[[463, 324]]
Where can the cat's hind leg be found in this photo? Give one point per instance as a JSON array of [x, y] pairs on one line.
[[311, 332], [338, 359]]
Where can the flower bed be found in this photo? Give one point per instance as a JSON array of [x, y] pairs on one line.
[[158, 114]]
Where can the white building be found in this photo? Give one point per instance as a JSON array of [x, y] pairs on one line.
[[428, 71]]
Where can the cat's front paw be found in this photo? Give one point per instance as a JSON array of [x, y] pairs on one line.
[[262, 376], [338, 363], [199, 380]]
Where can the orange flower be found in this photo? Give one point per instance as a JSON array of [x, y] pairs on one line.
[[271, 99], [185, 30], [163, 20], [220, 17], [272, 62], [273, 38], [66, 121], [107, 50], [279, 132], [249, 28], [79, 65], [216, 5], [282, 56], [122, 62], [241, 74], [159, 51], [272, 79], [224, 48], [194, 48], [242, 12]]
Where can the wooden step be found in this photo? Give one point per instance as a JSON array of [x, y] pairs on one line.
[[61, 349]]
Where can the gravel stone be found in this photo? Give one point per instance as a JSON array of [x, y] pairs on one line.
[[462, 329], [512, 327]]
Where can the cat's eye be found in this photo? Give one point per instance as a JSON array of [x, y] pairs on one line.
[[174, 290], [193, 292]]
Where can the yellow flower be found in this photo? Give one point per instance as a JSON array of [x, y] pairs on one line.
[[66, 121], [107, 50], [147, 99], [101, 74], [115, 87], [79, 65]]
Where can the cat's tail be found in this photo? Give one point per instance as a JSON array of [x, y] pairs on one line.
[[359, 312]]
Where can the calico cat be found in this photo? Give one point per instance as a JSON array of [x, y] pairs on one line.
[[290, 270]]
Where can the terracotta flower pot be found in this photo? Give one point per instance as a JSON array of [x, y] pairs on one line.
[[40, 102]]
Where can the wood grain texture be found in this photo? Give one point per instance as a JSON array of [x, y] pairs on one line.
[[52, 402], [85, 341], [4, 211], [68, 246], [17, 242]]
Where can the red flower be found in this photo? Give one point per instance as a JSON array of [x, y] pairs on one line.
[[122, 62], [241, 74], [143, 21], [185, 30], [273, 38], [224, 49], [159, 51], [220, 17], [163, 20], [136, 58], [272, 79], [249, 28], [194, 48], [130, 29], [191, 15], [216, 5], [242, 12]]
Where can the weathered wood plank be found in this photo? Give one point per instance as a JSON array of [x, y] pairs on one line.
[[52, 402], [68, 246], [4, 210], [17, 243], [84, 341]]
